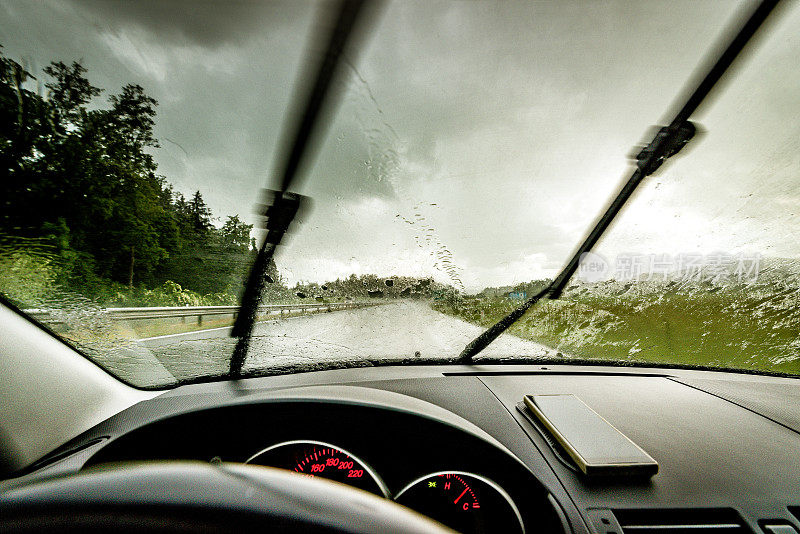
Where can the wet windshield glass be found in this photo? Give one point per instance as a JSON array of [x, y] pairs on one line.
[[472, 148]]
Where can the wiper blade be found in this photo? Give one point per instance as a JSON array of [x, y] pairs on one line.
[[284, 204], [667, 142]]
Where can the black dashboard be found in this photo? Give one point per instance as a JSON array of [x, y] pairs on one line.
[[453, 437]]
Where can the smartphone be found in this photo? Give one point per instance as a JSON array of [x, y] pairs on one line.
[[596, 447]]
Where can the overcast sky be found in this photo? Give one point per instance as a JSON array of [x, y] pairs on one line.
[[475, 142]]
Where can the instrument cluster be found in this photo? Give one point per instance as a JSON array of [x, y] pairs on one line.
[[466, 502]]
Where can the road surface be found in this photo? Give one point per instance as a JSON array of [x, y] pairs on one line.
[[407, 329]]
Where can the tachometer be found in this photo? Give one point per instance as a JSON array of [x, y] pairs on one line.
[[464, 502], [315, 458]]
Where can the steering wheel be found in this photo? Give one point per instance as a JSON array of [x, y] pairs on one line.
[[199, 497]]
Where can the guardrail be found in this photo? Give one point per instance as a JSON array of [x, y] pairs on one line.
[[162, 312]]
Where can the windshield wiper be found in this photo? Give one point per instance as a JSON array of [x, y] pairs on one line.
[[667, 142], [284, 205]]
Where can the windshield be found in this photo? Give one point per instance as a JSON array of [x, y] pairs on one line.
[[472, 147]]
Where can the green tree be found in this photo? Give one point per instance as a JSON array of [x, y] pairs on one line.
[[200, 213], [70, 91], [235, 234]]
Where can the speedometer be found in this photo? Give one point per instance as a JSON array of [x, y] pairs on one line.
[[464, 502], [316, 458]]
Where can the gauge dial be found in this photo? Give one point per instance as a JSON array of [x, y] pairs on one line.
[[315, 458], [464, 502]]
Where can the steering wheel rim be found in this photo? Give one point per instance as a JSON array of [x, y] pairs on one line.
[[195, 496]]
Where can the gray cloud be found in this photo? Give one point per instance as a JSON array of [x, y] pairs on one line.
[[208, 23]]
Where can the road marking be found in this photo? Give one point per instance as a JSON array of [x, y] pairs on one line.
[[185, 333]]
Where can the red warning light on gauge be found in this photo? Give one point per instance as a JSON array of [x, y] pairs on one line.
[[463, 501]]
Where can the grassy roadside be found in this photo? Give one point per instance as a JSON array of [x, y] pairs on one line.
[[738, 328]]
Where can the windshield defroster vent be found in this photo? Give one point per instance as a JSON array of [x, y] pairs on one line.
[[681, 521]]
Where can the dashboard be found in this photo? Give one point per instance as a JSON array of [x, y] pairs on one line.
[[453, 443]]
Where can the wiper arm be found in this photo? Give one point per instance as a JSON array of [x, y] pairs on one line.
[[667, 142], [285, 205]]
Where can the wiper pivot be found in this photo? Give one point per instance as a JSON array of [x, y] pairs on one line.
[[280, 214], [667, 142]]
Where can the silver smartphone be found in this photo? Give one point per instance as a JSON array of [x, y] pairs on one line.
[[594, 444]]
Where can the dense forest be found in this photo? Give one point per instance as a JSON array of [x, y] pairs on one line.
[[83, 200]]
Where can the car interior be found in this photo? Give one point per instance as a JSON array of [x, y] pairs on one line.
[[462, 444]]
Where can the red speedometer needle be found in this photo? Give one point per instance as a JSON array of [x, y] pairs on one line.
[[462, 494]]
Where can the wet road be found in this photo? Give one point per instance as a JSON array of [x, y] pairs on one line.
[[397, 330]]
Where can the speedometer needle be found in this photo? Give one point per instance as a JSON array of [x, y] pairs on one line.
[[462, 494]]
